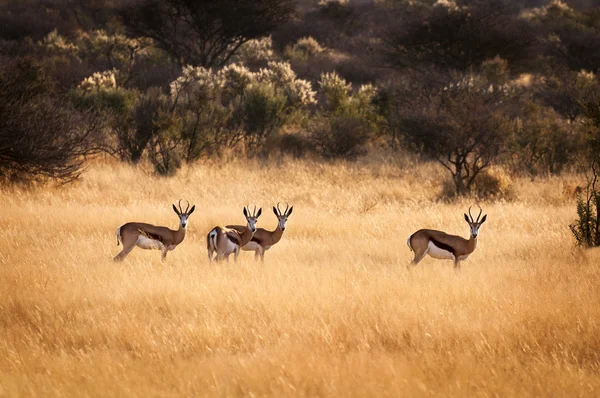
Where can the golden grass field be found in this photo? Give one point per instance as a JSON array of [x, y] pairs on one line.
[[333, 311]]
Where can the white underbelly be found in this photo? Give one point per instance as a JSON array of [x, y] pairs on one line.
[[147, 243], [230, 247], [439, 253], [251, 246]]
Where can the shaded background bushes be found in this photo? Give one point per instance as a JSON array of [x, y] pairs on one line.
[[473, 85]]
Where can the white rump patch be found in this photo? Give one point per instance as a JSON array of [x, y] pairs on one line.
[[439, 253]]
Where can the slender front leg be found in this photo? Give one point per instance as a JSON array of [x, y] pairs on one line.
[[457, 265], [236, 253], [164, 255]]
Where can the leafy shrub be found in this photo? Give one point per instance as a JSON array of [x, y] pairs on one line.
[[42, 137], [303, 49], [339, 137], [347, 120], [491, 184], [586, 228]]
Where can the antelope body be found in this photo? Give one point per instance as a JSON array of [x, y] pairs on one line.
[[441, 245], [263, 240], [224, 240], [148, 236]]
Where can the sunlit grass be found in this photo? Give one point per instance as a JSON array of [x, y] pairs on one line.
[[333, 311]]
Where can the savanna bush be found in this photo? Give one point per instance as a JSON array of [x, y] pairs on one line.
[[491, 184], [303, 49], [347, 119]]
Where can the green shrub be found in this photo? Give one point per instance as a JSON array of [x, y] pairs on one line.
[[586, 228]]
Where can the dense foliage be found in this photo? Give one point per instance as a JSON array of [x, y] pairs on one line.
[[468, 83]]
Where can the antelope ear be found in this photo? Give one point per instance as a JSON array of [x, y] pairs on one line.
[[275, 211], [245, 212], [259, 212], [175, 210], [483, 219], [290, 211], [192, 210], [467, 218]]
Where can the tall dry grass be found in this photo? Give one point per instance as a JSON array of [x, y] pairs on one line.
[[333, 311]]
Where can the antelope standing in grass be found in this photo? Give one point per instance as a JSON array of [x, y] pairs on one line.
[[148, 236], [440, 245], [225, 240], [263, 240]]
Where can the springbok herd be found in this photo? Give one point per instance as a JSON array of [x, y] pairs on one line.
[[230, 239]]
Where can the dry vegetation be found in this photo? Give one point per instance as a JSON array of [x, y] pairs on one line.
[[333, 311]]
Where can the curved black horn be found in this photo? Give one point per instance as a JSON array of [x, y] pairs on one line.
[[287, 206], [470, 215], [279, 208], [480, 211], [179, 204], [188, 206], [254, 215]]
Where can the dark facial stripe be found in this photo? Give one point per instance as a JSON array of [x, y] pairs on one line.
[[442, 246]]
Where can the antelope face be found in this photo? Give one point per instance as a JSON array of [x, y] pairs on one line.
[[282, 217], [184, 215], [252, 219], [474, 225]]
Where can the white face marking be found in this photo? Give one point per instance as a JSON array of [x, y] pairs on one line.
[[252, 223], [474, 229], [282, 221], [183, 220], [438, 253]]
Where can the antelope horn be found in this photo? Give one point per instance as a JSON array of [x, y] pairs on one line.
[[187, 207], [287, 206], [179, 204], [254, 211], [480, 211], [470, 215], [279, 208]]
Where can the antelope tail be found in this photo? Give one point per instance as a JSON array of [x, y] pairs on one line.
[[211, 240]]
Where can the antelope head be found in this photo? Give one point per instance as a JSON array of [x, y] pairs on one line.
[[475, 224], [183, 215], [252, 218], [282, 216]]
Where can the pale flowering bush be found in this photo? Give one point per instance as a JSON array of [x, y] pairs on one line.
[[236, 104], [195, 82], [335, 90], [100, 81], [347, 119], [303, 49], [58, 44], [297, 91], [236, 77], [254, 50]]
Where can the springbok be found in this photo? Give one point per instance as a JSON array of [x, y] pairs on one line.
[[263, 239], [440, 245], [148, 236], [225, 240]]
